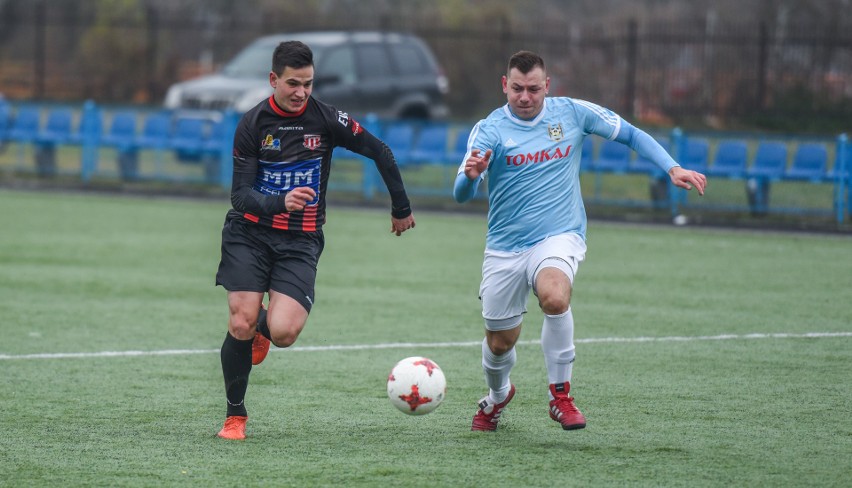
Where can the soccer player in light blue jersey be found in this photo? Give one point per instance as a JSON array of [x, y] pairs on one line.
[[530, 150]]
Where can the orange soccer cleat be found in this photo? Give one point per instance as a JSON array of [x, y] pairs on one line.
[[234, 429], [260, 344], [259, 348]]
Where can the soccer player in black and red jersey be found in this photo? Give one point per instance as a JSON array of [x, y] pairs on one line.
[[272, 238]]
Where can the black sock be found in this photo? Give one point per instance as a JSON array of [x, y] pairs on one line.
[[236, 366], [262, 326]]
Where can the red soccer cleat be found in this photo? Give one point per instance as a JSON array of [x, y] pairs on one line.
[[562, 408], [234, 429], [259, 347], [488, 415]]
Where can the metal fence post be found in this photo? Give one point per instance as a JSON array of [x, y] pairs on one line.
[[840, 179], [677, 149], [90, 133]]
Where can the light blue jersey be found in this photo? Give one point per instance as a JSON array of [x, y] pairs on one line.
[[534, 170]]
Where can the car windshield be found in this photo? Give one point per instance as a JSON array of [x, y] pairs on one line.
[[256, 61]]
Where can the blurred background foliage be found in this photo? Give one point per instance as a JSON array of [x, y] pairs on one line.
[[777, 65]]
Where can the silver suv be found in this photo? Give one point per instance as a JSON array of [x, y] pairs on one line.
[[389, 74]]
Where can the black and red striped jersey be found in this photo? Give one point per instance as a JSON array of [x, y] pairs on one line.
[[276, 151]]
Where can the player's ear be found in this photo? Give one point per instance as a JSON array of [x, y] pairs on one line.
[[505, 84], [273, 79]]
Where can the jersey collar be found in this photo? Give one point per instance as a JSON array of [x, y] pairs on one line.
[[280, 111], [514, 118]]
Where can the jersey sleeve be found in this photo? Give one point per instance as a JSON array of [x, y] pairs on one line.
[[609, 125], [464, 189], [597, 120], [645, 145], [244, 198], [350, 134]]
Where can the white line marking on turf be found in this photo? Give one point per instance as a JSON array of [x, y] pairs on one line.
[[413, 345]]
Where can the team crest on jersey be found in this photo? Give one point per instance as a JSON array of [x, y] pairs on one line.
[[270, 144], [555, 132], [311, 141]]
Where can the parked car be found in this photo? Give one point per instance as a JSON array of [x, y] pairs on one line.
[[389, 74]]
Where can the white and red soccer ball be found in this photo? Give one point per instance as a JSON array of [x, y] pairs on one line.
[[416, 385]]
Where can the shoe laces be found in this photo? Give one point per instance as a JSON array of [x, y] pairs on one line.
[[565, 404]]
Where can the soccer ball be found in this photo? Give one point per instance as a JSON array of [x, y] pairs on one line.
[[416, 385]]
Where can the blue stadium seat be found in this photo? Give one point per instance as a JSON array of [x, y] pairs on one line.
[[399, 136], [431, 144], [770, 161], [809, 163], [613, 157], [730, 161], [188, 137], [5, 119], [217, 139], [25, 125], [644, 165], [460, 147], [58, 128], [695, 154], [155, 132], [122, 132]]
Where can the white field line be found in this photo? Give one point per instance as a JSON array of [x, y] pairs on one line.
[[425, 345]]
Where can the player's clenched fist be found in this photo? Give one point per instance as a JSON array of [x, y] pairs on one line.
[[476, 164], [297, 198]]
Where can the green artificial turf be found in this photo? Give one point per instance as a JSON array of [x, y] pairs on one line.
[[704, 357]]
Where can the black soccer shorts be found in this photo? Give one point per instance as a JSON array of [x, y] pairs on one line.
[[258, 258]]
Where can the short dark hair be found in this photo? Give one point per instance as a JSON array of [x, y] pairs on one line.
[[525, 61], [293, 54]]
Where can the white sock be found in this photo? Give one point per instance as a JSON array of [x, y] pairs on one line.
[[497, 369], [557, 344]]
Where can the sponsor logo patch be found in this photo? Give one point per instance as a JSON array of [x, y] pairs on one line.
[[270, 144]]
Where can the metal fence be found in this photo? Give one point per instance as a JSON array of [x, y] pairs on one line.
[[756, 73]]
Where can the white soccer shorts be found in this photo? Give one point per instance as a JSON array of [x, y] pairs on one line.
[[508, 277]]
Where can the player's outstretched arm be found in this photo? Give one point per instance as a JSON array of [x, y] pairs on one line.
[[381, 154], [687, 179], [647, 147]]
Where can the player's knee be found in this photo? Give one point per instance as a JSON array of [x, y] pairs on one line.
[[284, 334], [500, 345], [554, 303], [241, 328], [553, 288], [284, 338], [500, 349]]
